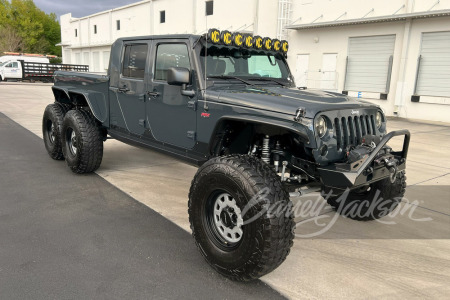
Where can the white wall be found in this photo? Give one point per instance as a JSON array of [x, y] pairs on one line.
[[318, 41], [335, 40], [421, 110], [188, 16]]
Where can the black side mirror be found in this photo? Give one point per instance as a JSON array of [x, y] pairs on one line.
[[177, 76], [180, 76]]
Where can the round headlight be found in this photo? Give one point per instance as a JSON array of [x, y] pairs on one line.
[[379, 119], [321, 127]]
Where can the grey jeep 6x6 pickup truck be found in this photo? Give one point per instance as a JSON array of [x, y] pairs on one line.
[[227, 102]]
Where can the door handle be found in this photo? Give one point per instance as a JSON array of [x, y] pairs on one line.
[[153, 94]]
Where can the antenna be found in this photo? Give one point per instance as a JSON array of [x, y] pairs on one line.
[[205, 106]]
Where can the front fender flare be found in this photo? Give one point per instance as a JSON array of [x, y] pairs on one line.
[[303, 131]]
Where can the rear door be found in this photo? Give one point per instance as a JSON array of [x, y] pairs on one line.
[[132, 87], [171, 115]]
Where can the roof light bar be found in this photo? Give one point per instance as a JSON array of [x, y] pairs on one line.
[[248, 41]]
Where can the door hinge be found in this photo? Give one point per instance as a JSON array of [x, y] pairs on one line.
[[192, 105], [142, 122], [191, 135]]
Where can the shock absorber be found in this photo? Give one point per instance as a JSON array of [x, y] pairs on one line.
[[276, 156], [265, 152]]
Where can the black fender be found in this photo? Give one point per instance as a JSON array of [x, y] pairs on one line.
[[96, 101], [305, 133]]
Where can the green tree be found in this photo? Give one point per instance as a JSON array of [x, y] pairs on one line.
[[38, 32]]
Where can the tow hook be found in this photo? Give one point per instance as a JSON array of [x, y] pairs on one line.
[[391, 165]]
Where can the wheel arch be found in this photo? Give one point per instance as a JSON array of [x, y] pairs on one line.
[[260, 123], [96, 101]]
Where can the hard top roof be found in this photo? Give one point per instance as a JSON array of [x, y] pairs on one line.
[[191, 37]]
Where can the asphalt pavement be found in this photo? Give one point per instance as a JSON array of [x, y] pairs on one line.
[[403, 257], [67, 236]]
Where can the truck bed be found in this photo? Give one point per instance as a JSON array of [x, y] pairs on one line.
[[44, 71]]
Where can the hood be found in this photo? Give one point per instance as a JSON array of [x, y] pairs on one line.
[[283, 100]]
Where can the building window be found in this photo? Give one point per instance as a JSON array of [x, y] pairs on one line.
[[76, 32], [162, 16], [95, 29], [209, 8], [134, 61], [118, 24]]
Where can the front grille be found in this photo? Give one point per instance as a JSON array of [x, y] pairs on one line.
[[350, 130]]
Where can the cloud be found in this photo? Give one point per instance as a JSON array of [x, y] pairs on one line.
[[79, 8]]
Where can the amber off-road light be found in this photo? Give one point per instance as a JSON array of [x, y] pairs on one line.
[[258, 42], [267, 43], [226, 37], [284, 46], [238, 39], [214, 36], [276, 44], [248, 41]]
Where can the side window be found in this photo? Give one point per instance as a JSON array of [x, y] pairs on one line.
[[134, 61], [15, 64], [168, 56], [8, 65]]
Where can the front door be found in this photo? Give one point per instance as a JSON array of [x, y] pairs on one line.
[[131, 92], [171, 115], [12, 70]]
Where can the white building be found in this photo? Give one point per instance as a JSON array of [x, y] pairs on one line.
[[395, 53], [86, 40]]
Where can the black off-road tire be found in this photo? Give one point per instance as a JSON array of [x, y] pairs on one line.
[[51, 129], [265, 241], [88, 142], [381, 199]]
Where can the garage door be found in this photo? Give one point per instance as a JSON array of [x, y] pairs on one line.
[[369, 63], [434, 65]]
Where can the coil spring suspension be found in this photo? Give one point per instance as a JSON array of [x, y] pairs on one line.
[[265, 152]]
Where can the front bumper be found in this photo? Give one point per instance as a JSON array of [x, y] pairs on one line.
[[373, 168]]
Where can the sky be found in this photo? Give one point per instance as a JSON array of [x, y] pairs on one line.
[[79, 8]]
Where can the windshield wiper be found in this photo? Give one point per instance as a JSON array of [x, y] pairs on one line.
[[231, 77], [268, 79]]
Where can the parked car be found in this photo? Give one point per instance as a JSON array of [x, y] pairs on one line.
[[228, 104]]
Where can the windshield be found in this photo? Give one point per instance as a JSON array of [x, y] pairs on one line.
[[253, 65], [3, 63]]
